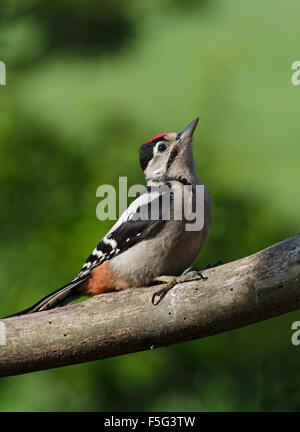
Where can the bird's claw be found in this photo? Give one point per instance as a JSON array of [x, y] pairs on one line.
[[190, 274], [216, 264]]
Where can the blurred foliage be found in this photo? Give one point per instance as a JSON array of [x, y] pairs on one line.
[[88, 82]]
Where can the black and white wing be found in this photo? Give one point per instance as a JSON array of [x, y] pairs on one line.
[[135, 224], [131, 228]]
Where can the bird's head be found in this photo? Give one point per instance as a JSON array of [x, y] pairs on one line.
[[168, 155]]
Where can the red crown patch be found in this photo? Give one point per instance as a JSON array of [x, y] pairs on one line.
[[160, 135]]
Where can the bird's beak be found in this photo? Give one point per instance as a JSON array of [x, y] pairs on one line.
[[187, 134]]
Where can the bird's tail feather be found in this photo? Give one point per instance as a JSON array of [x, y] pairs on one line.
[[61, 297]]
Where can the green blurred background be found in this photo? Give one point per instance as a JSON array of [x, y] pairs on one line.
[[87, 83]]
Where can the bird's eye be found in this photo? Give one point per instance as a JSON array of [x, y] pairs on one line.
[[161, 148]]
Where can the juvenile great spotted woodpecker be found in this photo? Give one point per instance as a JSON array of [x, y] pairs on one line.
[[137, 252]]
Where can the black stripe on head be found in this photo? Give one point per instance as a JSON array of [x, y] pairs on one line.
[[180, 179], [146, 151], [146, 154], [172, 157]]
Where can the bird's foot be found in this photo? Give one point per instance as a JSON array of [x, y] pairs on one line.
[[217, 264], [191, 273]]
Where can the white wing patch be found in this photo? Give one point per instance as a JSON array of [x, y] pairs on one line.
[[110, 241], [131, 211]]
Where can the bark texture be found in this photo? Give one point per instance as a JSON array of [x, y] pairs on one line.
[[242, 292]]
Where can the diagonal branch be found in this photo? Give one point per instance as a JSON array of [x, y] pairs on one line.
[[242, 292]]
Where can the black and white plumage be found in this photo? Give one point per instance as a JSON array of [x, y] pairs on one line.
[[128, 230], [137, 249]]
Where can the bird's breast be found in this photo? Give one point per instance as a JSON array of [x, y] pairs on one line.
[[169, 252]]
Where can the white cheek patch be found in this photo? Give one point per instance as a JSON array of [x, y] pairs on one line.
[[155, 151], [158, 165], [157, 155]]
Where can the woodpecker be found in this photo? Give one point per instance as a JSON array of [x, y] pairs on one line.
[[138, 252]]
